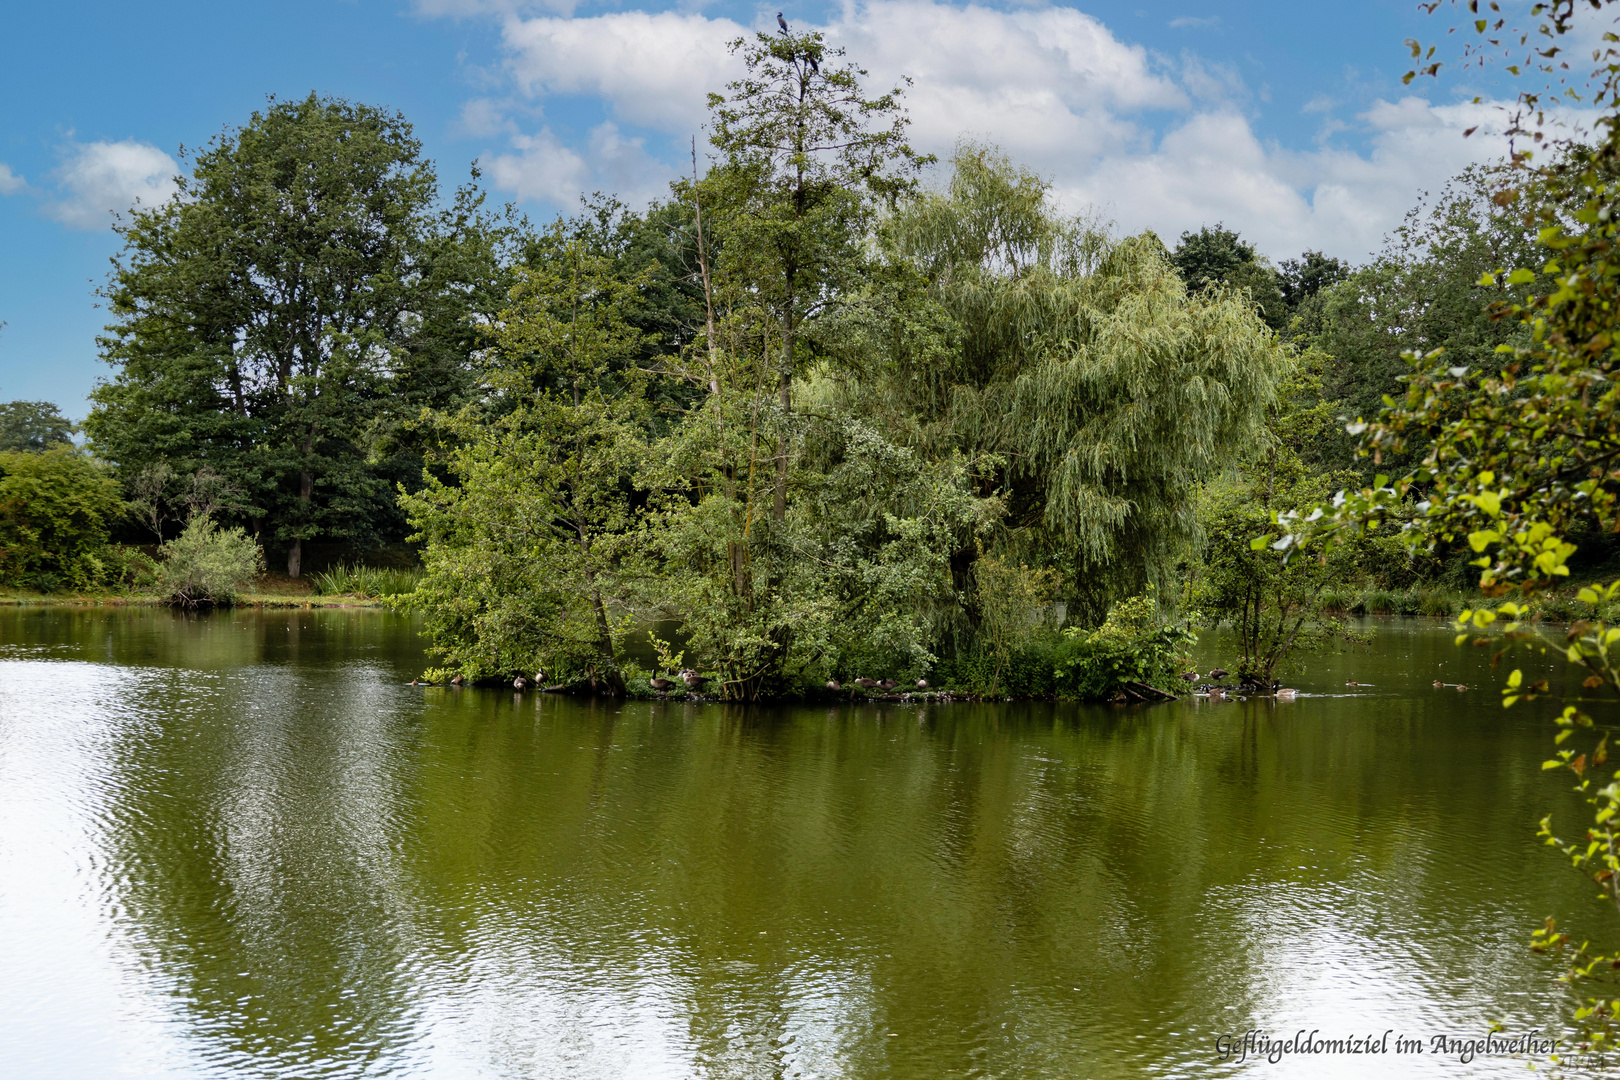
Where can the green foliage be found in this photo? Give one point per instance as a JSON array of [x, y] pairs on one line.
[[1136, 644], [55, 509], [527, 551], [275, 317], [1217, 257], [861, 565], [1013, 601], [1424, 292], [1097, 393], [1304, 278], [207, 566], [32, 426], [370, 582], [1516, 456]]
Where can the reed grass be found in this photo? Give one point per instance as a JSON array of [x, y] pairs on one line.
[[369, 582]]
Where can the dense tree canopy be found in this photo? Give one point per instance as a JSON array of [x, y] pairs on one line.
[[275, 314], [800, 407], [33, 425]]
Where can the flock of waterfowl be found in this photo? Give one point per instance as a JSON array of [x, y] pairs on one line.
[[1214, 691]]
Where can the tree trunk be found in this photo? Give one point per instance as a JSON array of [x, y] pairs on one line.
[[779, 503], [295, 554]]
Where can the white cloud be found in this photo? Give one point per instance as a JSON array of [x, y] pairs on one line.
[[481, 118], [1213, 168], [101, 179], [1194, 22], [543, 169], [546, 170], [1154, 142], [10, 182], [652, 69]]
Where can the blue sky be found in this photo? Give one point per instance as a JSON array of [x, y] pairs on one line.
[[1287, 121]]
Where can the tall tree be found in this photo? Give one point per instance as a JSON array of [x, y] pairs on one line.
[[525, 547], [268, 316], [803, 159], [1218, 256], [802, 153], [33, 425]]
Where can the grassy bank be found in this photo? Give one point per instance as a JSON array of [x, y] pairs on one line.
[[1560, 605], [342, 586]]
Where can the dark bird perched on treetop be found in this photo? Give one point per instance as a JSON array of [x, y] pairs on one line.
[[781, 22]]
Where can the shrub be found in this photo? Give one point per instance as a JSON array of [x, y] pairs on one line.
[[372, 582], [1382, 602], [207, 565], [1440, 602], [54, 510], [1135, 645]]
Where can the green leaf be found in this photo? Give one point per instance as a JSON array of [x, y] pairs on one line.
[[1521, 277]]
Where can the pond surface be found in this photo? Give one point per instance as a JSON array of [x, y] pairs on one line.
[[241, 846]]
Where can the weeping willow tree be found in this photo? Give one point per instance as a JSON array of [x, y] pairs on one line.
[[1104, 393]]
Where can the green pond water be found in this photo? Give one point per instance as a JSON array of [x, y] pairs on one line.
[[241, 846]]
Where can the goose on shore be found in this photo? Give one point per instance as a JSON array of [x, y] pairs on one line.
[[519, 683], [1218, 673], [888, 684], [692, 679], [1190, 676], [832, 684], [660, 684], [456, 680], [866, 684], [922, 684]]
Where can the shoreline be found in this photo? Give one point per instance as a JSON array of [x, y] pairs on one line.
[[252, 600]]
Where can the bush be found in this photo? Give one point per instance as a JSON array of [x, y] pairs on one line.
[[207, 566], [373, 582], [54, 510], [1135, 645]]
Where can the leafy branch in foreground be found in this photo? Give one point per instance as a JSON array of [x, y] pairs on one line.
[[1595, 647], [1519, 463]]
